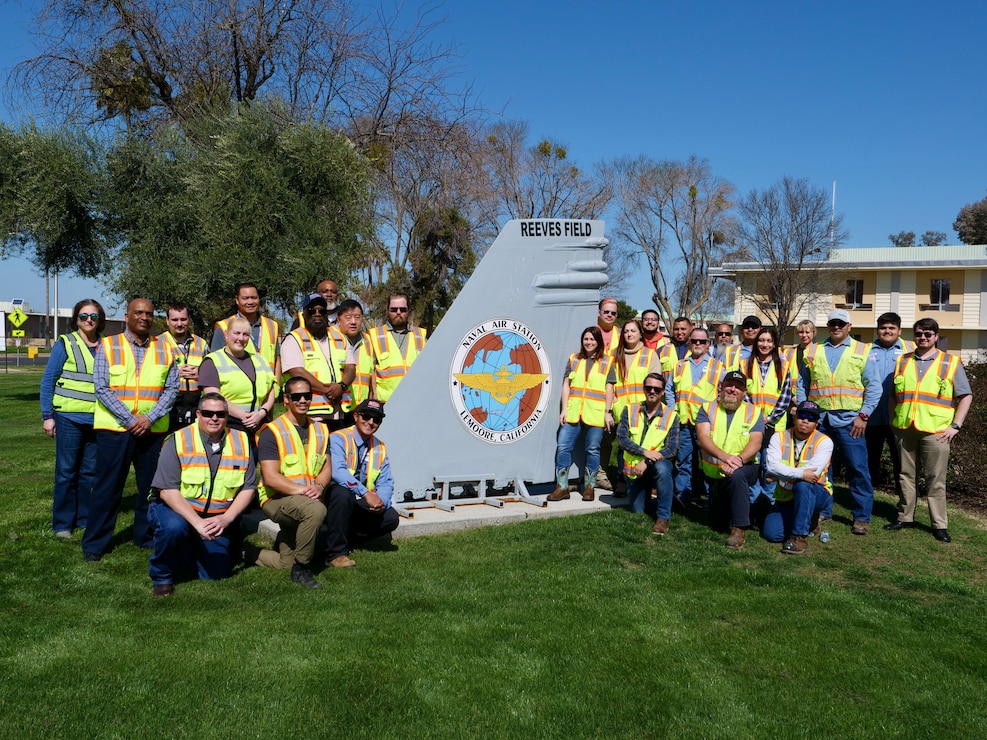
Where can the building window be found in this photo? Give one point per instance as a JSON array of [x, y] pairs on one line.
[[939, 297], [854, 296]]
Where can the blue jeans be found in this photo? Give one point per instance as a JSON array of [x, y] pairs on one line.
[[658, 476], [568, 435], [178, 545], [689, 480], [854, 451], [75, 473]]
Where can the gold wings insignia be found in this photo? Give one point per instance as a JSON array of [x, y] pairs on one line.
[[503, 384]]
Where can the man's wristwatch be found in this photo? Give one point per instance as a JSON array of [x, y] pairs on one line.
[[865, 417], [955, 426], [344, 386]]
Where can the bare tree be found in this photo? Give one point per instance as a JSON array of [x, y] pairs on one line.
[[789, 230], [677, 215]]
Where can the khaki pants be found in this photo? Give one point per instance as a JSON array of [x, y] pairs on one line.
[[926, 455], [299, 516]]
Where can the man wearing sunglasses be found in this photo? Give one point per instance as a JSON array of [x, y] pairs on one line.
[[293, 453], [724, 339], [395, 346], [932, 397], [606, 318], [359, 500], [736, 355], [837, 376], [204, 481], [328, 290], [798, 459], [324, 358]]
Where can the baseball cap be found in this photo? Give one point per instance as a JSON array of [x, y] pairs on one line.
[[371, 407], [735, 376], [751, 322], [312, 299], [809, 408], [839, 314]]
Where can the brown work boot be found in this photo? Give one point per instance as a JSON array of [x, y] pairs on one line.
[[602, 481], [559, 494], [795, 545], [736, 539], [589, 493], [661, 527], [860, 527]]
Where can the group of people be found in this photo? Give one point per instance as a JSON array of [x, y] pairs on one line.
[[750, 428], [196, 422]]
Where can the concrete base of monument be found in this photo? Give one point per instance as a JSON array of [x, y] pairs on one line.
[[431, 520]]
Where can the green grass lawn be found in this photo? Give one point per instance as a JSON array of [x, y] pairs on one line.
[[581, 626]]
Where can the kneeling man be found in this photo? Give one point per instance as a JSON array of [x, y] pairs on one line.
[[359, 502], [798, 459], [292, 451], [205, 479]]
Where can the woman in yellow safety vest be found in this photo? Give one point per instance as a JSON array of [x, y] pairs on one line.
[[769, 388], [245, 379], [586, 400], [68, 400]]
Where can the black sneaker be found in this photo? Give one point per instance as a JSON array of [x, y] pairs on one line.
[[303, 577]]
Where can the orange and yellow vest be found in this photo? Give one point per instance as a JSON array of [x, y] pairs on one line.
[[141, 392], [359, 391], [632, 386], [235, 385], [732, 440], [208, 494], [390, 366], [375, 456], [731, 356], [784, 488], [841, 389], [691, 394], [268, 337], [315, 362], [75, 392], [653, 439], [198, 349], [927, 405], [765, 394], [588, 395], [300, 463]]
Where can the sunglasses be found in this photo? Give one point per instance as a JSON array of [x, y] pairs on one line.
[[836, 324], [653, 389], [724, 333], [924, 334], [609, 313], [316, 311], [399, 309], [371, 417], [88, 317], [699, 341], [209, 414], [807, 417], [303, 396]]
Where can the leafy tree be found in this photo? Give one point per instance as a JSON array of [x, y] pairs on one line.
[[625, 312], [677, 214], [903, 239], [789, 230], [933, 239], [971, 223]]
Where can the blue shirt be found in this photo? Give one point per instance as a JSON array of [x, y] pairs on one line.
[[870, 379], [384, 487], [106, 396], [885, 359], [53, 371]]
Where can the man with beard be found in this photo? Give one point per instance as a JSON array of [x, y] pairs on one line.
[[328, 290], [136, 382], [730, 431], [652, 336], [323, 359], [395, 346]]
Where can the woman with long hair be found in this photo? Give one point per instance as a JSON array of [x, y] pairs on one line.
[[587, 398], [68, 400]]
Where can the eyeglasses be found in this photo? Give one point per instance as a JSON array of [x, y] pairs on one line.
[[749, 327], [316, 311], [649, 320], [653, 389], [724, 333], [807, 417], [371, 418], [699, 341], [398, 309], [836, 324], [88, 317], [609, 313], [209, 414], [303, 396], [924, 334]]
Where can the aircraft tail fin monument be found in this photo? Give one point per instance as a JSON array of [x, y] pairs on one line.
[[481, 401]]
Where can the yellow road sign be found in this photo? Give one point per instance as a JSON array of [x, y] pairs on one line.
[[17, 317], [17, 333]]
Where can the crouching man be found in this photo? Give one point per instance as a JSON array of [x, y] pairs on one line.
[[205, 479], [359, 502], [292, 451], [798, 459]]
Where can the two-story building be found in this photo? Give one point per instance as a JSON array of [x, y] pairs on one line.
[[948, 284]]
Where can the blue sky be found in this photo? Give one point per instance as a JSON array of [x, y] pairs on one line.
[[885, 98]]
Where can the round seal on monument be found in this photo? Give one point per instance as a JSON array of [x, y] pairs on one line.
[[500, 381]]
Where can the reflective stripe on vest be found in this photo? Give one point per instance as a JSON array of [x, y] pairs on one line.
[[297, 463], [925, 405], [631, 387], [765, 393], [732, 356], [326, 370], [732, 440], [588, 395], [75, 392], [206, 494], [197, 350], [783, 491], [138, 393], [390, 366], [689, 395], [359, 390], [841, 389], [268, 337], [668, 357], [235, 384], [374, 458], [653, 439]]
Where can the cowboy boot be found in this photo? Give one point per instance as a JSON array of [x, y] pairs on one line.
[[561, 492]]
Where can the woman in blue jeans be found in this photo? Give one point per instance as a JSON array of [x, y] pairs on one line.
[[587, 398], [68, 400]]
